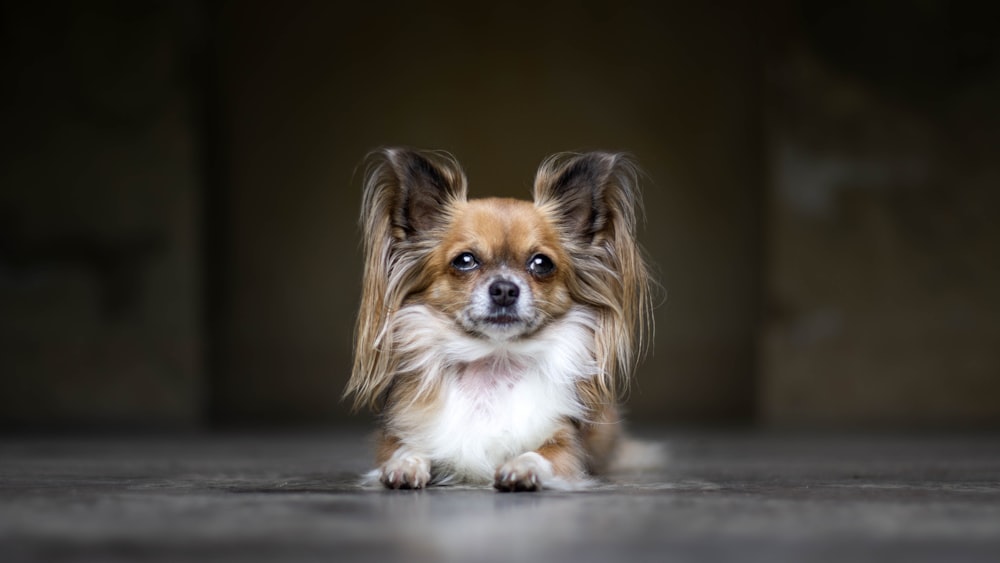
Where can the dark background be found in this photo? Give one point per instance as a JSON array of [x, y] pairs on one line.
[[179, 188]]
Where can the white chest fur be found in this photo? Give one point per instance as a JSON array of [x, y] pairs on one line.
[[495, 400]]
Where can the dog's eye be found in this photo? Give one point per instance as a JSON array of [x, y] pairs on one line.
[[465, 262], [541, 265]]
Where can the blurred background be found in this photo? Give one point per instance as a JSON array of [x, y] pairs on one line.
[[179, 189]]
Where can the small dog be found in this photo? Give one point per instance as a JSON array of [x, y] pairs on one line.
[[496, 335]]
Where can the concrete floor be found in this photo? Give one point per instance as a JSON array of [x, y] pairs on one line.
[[293, 497]]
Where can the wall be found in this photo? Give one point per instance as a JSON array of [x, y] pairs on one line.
[[178, 194], [882, 242], [100, 318]]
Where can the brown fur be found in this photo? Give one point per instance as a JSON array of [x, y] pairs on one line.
[[566, 453]]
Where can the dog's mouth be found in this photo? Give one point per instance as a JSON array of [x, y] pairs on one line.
[[502, 319], [501, 323]]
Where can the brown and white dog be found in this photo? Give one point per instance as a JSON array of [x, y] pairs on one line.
[[495, 336]]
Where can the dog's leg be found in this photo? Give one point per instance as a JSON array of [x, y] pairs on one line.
[[601, 438], [558, 463], [399, 466]]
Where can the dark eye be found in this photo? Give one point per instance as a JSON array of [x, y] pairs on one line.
[[465, 262], [541, 265]]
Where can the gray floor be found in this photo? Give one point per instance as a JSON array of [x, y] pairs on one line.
[[293, 497]]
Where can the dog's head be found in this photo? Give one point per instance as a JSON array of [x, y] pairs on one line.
[[501, 269]]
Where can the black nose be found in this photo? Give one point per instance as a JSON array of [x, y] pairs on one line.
[[504, 293]]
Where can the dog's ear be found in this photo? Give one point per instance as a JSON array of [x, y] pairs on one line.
[[594, 200], [588, 193], [407, 196], [414, 187]]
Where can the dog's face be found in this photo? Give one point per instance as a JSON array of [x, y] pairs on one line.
[[500, 269]]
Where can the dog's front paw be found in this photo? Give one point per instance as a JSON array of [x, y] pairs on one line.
[[405, 472], [526, 472]]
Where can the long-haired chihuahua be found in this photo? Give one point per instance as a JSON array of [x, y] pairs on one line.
[[496, 336]]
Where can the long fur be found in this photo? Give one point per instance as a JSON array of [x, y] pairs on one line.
[[392, 265], [612, 275], [441, 392]]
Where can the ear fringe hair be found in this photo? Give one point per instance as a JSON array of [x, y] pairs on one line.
[[393, 263], [611, 271]]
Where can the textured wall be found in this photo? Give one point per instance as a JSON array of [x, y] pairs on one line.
[[883, 242], [178, 195], [99, 273]]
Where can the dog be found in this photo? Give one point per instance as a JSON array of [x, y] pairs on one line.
[[495, 337]]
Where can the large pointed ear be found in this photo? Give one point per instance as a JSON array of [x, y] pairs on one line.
[[412, 188], [407, 196], [595, 202], [589, 193]]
